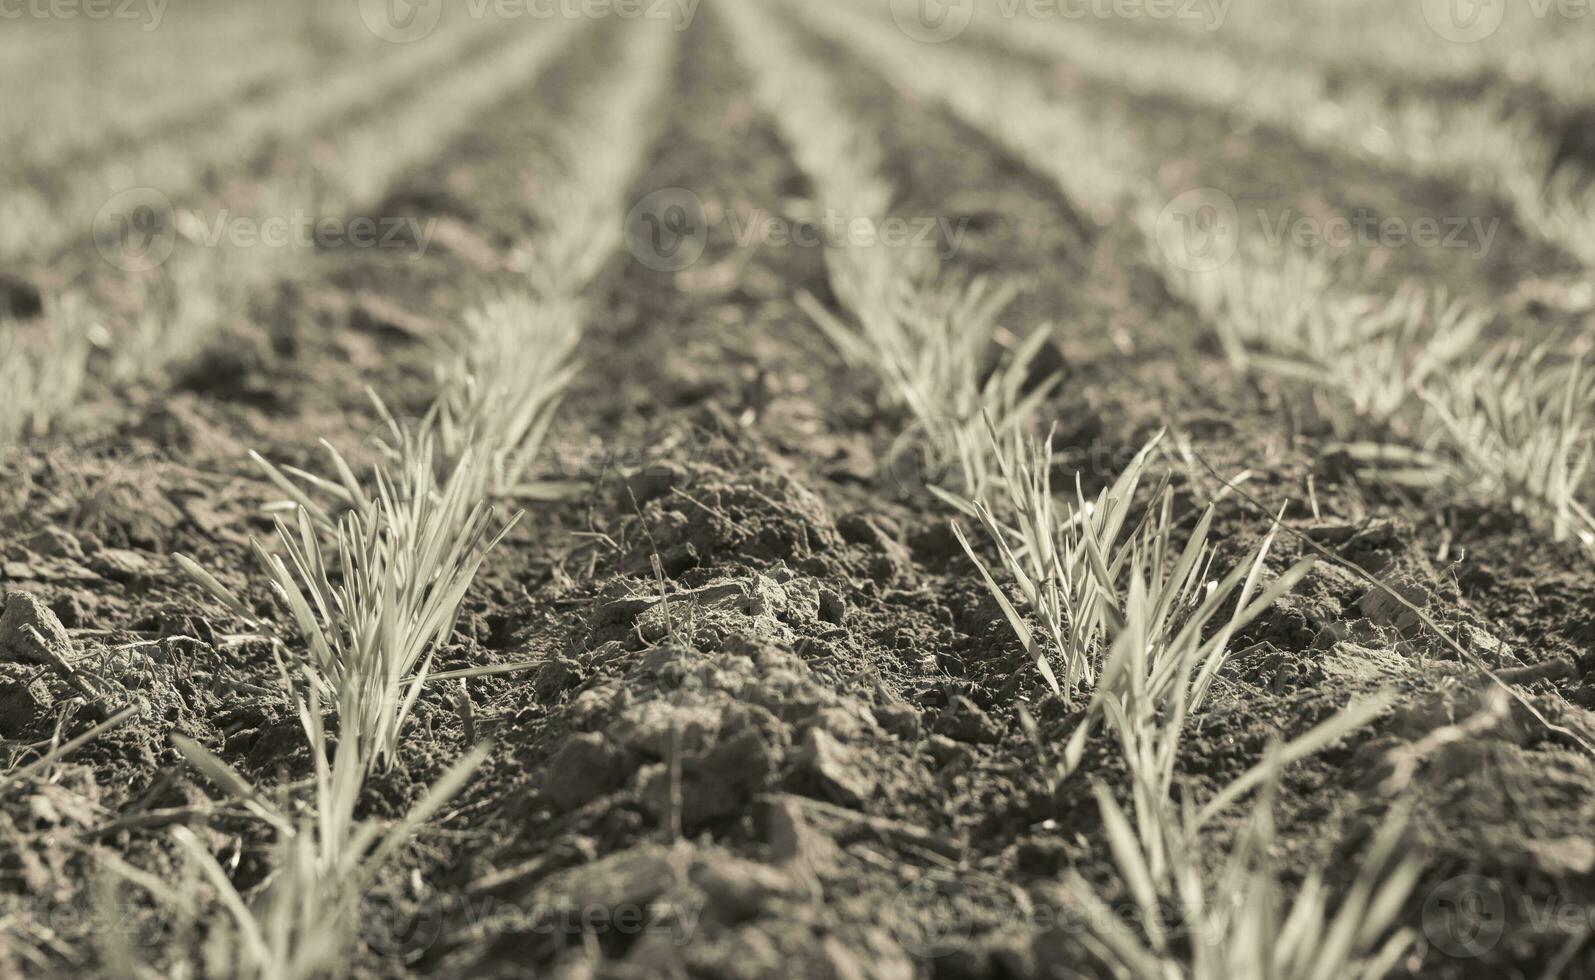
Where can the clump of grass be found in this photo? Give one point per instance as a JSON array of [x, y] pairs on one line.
[[1155, 678], [372, 591], [1373, 363], [587, 166], [304, 920], [1240, 924], [1364, 356], [42, 380], [927, 345], [206, 281], [1404, 381], [1064, 562], [1513, 425], [1130, 598], [1171, 635], [500, 391], [371, 607], [499, 397], [1483, 143]]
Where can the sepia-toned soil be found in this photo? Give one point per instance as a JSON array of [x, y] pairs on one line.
[[773, 728]]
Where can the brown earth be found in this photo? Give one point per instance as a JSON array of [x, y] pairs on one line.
[[799, 753]]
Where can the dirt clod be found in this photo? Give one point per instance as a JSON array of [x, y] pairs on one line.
[[588, 767], [30, 632], [122, 565], [837, 769], [24, 699], [52, 542], [964, 721]]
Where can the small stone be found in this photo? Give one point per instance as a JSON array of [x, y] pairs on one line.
[[52, 542], [585, 768], [836, 767], [122, 565], [900, 719], [794, 840], [19, 642], [632, 877], [963, 720], [740, 889], [833, 608]]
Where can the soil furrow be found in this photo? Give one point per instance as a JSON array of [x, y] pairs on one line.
[[1283, 187]]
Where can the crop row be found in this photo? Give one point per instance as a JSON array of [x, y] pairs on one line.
[[1483, 144], [1543, 43], [922, 329], [406, 544]]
